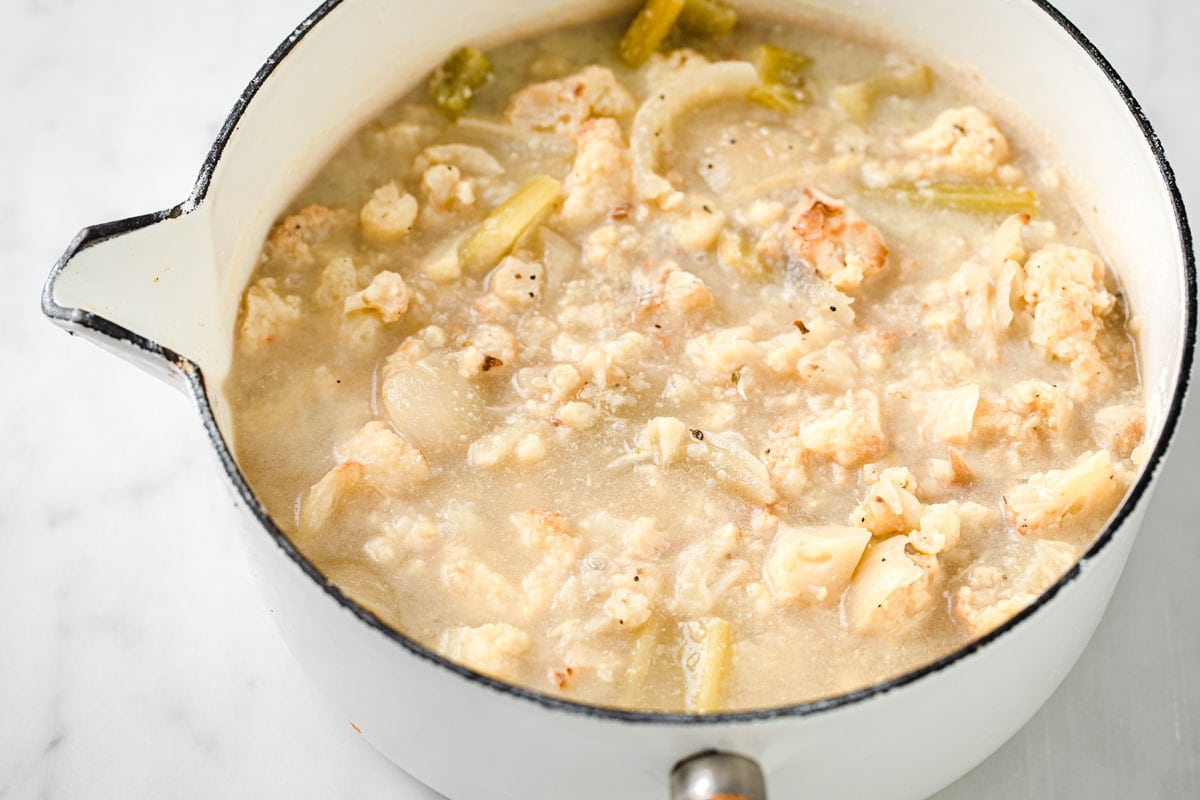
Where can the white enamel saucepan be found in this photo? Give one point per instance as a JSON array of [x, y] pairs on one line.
[[162, 290]]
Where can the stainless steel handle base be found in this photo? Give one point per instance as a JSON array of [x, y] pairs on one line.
[[714, 775]]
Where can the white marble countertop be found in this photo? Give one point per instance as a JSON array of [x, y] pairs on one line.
[[136, 659]]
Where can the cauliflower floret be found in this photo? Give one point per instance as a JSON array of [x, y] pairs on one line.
[[1121, 428], [962, 142], [468, 577], [387, 294], [562, 105], [951, 414], [666, 438], [490, 347], [267, 313], [1029, 416], [813, 564], [389, 214], [446, 188], [680, 291], [1046, 500], [575, 415], [629, 608], [516, 283], [834, 240], [786, 458], [850, 434], [494, 649], [468, 158], [939, 529], [324, 496], [518, 441], [599, 182], [1064, 286], [290, 245], [722, 352], [891, 504], [451, 174], [393, 465], [608, 248], [547, 532], [697, 228], [893, 587], [400, 535], [339, 280], [994, 593]]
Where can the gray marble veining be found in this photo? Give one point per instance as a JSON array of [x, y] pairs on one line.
[[136, 658]]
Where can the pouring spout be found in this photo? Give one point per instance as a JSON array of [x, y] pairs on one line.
[[141, 288]]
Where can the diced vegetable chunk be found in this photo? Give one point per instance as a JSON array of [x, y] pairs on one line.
[[779, 65], [707, 651], [648, 29], [455, 82], [970, 198], [775, 96], [710, 18], [904, 80], [497, 234]]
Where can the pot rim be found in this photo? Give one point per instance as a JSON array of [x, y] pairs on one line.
[[194, 380]]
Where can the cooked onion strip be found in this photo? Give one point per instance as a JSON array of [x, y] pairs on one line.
[[652, 125]]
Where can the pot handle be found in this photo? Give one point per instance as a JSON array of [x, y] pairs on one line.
[[140, 288], [714, 775]]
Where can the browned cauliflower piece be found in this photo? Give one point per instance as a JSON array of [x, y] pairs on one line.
[[813, 564], [1120, 428], [1064, 288], [389, 214], [599, 182], [494, 648], [290, 245], [561, 106], [994, 592], [834, 240], [892, 588], [387, 295], [393, 465], [267, 313], [962, 142], [1046, 500]]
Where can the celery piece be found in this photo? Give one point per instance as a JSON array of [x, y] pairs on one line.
[[641, 661], [774, 96], [707, 652], [501, 229], [455, 82], [965, 197], [648, 29], [856, 99], [709, 18], [777, 65], [903, 80]]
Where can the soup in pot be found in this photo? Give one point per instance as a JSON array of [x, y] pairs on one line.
[[698, 363]]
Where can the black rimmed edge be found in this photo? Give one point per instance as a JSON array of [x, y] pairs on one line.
[[194, 380]]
